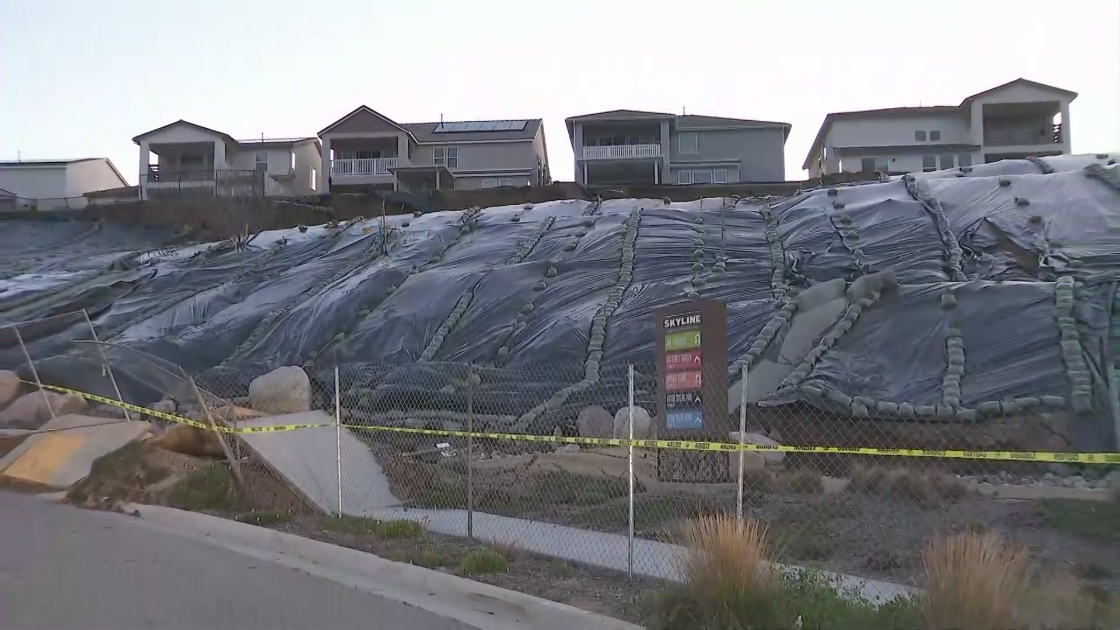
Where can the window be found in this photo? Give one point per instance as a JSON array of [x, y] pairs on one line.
[[314, 179], [367, 155], [447, 156], [489, 183], [687, 143], [262, 161], [867, 165], [920, 136], [964, 159], [506, 182], [934, 135], [292, 161], [684, 177], [701, 177], [929, 163], [719, 176], [947, 160]]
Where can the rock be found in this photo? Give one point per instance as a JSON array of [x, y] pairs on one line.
[[1112, 480], [568, 448], [752, 461], [1077, 481], [594, 421], [771, 457], [451, 425], [495, 455], [9, 387], [188, 440], [1060, 470], [283, 390], [30, 411], [641, 423], [167, 405]]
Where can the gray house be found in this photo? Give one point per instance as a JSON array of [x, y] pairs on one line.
[[628, 147], [366, 150]]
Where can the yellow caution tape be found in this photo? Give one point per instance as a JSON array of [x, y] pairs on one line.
[[679, 445]]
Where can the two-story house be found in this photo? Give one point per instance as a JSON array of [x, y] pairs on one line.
[[365, 150], [1014, 120], [629, 147], [185, 158]]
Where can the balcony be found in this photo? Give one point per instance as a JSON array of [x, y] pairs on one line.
[[1023, 136], [622, 152], [364, 167]]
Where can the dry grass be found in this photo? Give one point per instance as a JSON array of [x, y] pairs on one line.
[[924, 488], [975, 581], [869, 479], [803, 482]]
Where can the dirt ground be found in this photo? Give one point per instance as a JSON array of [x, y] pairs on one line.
[[597, 590]]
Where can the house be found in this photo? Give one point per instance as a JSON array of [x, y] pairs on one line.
[[626, 146], [55, 184], [369, 151], [185, 158], [1014, 120]]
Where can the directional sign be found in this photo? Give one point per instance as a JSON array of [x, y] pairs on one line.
[[678, 381], [691, 419], [686, 340], [682, 360]]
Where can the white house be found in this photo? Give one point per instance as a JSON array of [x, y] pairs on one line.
[[1014, 120], [185, 158], [55, 184]]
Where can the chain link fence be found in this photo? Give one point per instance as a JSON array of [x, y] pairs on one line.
[[529, 457]]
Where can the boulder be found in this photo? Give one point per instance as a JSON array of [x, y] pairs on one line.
[[188, 440], [752, 461], [283, 390], [594, 421], [30, 411], [9, 387], [641, 423], [771, 457]]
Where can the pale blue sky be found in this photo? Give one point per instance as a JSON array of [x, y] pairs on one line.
[[80, 78]]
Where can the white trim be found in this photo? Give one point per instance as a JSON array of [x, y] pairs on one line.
[[680, 178], [490, 183], [480, 172], [735, 128], [685, 163], [719, 180]]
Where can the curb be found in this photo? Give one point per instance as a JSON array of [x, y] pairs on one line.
[[473, 603]]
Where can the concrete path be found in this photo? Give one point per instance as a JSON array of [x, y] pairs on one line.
[[63, 457], [308, 459], [70, 568]]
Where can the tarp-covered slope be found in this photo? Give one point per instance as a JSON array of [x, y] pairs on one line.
[[551, 300]]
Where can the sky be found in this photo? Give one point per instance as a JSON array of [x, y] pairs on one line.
[[81, 78]]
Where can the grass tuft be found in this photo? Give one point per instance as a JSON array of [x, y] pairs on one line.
[[976, 581], [483, 561], [359, 526], [209, 488], [263, 518]]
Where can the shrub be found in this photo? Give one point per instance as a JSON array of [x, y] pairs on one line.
[[869, 479], [977, 581], [359, 526]]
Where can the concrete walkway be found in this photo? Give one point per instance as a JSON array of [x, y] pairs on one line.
[[308, 459]]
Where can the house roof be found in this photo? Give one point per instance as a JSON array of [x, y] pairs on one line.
[[273, 143], [684, 121], [224, 135], [918, 111], [426, 131], [64, 162], [112, 193]]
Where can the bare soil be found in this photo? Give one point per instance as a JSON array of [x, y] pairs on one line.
[[589, 588]]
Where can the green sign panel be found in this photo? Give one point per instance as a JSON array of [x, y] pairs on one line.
[[686, 340]]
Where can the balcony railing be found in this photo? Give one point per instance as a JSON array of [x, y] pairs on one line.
[[362, 167], [209, 182], [1023, 136], [622, 152]]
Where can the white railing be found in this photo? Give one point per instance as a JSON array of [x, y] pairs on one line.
[[622, 152], [362, 167]]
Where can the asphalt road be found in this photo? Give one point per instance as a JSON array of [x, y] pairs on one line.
[[61, 567]]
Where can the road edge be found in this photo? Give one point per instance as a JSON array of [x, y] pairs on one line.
[[455, 598]]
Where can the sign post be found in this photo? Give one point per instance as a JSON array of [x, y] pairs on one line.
[[692, 389]]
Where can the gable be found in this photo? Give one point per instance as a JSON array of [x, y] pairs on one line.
[[363, 120], [182, 131]]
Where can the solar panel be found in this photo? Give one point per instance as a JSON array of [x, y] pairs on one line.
[[477, 126]]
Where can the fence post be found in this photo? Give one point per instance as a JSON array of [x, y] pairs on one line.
[[105, 362], [338, 435], [742, 435], [470, 451], [630, 474], [34, 372]]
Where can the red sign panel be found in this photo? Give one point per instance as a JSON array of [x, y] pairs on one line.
[[678, 381], [682, 360]]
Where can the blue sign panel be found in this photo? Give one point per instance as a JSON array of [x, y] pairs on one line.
[[685, 419]]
